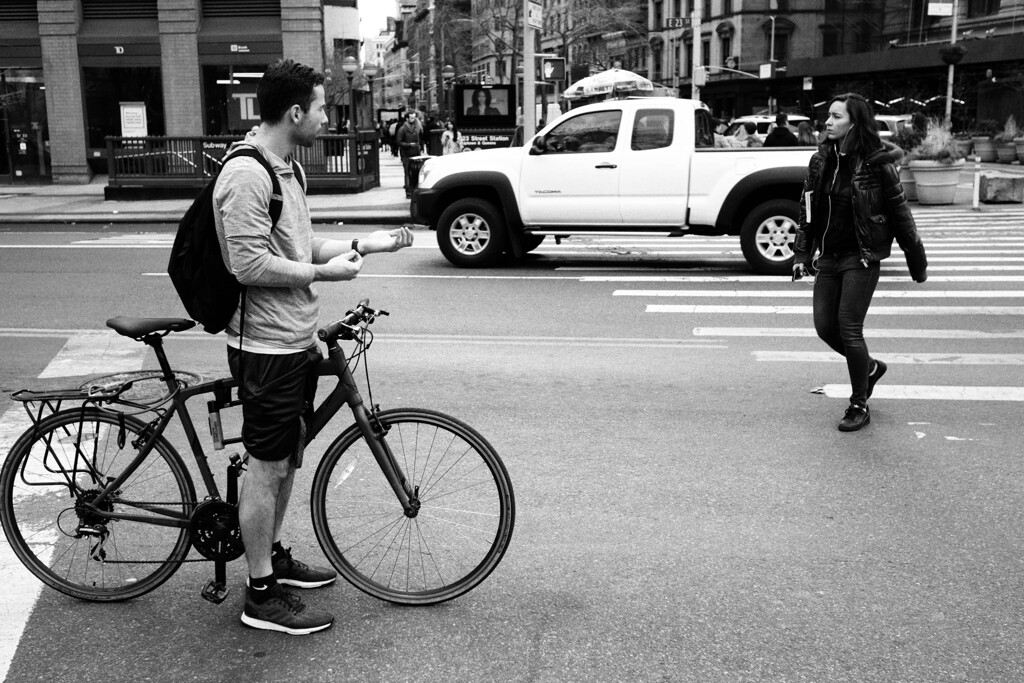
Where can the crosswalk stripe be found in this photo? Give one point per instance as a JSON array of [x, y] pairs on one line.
[[94, 353], [894, 358], [875, 333], [931, 392], [776, 279], [806, 310]]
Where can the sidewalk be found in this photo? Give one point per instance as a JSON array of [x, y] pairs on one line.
[[48, 204]]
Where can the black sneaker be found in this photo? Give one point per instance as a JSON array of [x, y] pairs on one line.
[[299, 574], [283, 612], [856, 417], [873, 378]]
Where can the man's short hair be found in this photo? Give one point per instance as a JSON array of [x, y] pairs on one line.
[[285, 84], [781, 119]]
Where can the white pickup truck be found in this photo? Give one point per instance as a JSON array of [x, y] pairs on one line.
[[638, 166]]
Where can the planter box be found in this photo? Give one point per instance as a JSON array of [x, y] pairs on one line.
[[985, 148], [1006, 152], [936, 181], [908, 183]]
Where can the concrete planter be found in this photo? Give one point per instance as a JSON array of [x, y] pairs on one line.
[[1006, 152], [985, 148], [908, 183], [936, 181], [965, 147]]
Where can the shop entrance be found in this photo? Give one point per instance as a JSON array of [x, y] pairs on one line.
[[24, 136]]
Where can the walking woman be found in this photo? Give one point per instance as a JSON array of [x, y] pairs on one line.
[[853, 206]]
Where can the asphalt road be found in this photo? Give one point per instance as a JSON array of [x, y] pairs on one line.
[[687, 510]]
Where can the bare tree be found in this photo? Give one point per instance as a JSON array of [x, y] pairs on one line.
[[500, 22]]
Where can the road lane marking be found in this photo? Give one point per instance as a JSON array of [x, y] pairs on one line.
[[931, 392], [96, 352], [894, 358], [807, 292], [807, 310], [873, 333]]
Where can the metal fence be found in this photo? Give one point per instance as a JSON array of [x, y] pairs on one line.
[[334, 163]]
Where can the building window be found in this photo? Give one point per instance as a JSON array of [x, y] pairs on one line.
[[781, 48], [106, 88], [659, 21], [726, 6], [982, 8], [705, 52], [830, 43], [726, 49]]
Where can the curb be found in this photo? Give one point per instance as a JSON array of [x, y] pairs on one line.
[[356, 217]]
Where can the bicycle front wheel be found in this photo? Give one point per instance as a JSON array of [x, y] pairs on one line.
[[457, 538], [57, 468]]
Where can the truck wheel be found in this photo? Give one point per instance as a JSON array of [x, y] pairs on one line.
[[471, 233], [767, 236]]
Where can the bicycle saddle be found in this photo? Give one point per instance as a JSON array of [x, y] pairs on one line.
[[140, 327]]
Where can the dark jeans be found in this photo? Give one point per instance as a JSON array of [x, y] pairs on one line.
[[410, 179], [842, 294]]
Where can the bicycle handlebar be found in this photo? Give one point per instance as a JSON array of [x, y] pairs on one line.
[[351, 325]]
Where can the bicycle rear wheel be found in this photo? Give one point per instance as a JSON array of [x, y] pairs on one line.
[[64, 462], [462, 529]]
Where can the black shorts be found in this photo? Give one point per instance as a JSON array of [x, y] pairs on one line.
[[277, 392]]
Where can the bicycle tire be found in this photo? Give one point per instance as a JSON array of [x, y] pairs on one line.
[[43, 527], [463, 527]]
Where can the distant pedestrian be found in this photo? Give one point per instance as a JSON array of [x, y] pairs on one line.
[[408, 140], [853, 206], [805, 136], [451, 139], [746, 136], [780, 135]]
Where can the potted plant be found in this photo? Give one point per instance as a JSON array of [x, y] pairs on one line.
[[936, 164], [964, 143], [983, 145], [1006, 149]]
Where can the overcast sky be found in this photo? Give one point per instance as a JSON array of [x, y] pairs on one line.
[[373, 16]]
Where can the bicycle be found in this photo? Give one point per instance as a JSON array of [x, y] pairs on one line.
[[411, 506]]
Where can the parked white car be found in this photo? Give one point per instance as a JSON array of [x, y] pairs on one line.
[[764, 124], [889, 125]]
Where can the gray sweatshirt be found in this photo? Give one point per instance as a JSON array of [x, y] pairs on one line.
[[281, 312]]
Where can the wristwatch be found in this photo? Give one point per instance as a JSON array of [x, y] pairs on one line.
[[355, 246]]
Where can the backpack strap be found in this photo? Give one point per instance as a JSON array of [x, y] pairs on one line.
[[300, 174], [276, 199]]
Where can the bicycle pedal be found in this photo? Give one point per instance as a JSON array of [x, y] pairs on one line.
[[215, 592]]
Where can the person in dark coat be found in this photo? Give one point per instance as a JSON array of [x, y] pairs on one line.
[[853, 207], [781, 135]]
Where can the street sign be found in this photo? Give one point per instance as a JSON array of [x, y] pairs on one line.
[[808, 83], [940, 9], [677, 22], [536, 17], [766, 71]]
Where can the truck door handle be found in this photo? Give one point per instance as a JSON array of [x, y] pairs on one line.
[[606, 165]]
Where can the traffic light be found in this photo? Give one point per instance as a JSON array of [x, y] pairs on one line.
[[552, 68]]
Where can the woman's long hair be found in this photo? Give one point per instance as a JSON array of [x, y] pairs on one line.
[[862, 139]]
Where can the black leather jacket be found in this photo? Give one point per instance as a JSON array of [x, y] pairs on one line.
[[880, 210]]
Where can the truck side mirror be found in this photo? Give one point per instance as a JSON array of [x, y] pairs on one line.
[[538, 146]]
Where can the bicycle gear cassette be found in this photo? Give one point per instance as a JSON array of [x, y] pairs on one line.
[[214, 530]]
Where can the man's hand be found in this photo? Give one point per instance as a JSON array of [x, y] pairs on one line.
[[342, 267], [386, 240], [799, 271]]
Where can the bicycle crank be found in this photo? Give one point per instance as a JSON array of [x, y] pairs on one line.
[[214, 531]]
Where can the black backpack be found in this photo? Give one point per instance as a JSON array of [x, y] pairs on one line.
[[204, 283]]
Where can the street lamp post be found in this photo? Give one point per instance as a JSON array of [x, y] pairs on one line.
[[370, 70], [350, 65], [448, 74]]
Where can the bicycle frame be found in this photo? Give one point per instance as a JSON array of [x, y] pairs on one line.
[[345, 392]]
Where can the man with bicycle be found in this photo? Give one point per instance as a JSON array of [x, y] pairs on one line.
[[276, 356]]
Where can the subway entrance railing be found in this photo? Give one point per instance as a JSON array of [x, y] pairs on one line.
[[157, 166]]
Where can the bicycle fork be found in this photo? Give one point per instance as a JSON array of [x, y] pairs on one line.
[[371, 427]]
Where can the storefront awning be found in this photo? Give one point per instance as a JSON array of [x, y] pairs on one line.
[[240, 40]]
